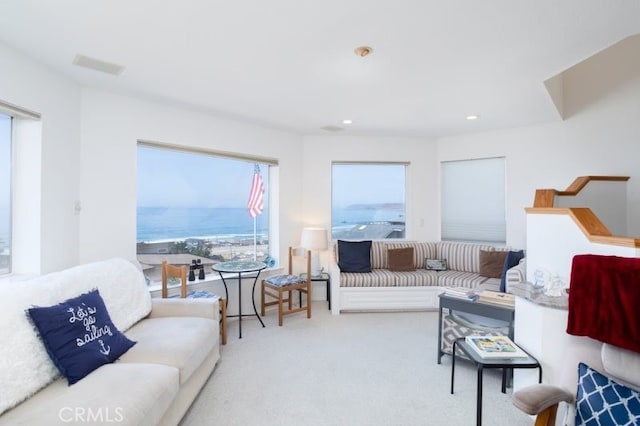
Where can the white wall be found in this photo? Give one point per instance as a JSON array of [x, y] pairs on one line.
[[607, 200], [600, 136], [553, 240], [50, 234], [111, 127]]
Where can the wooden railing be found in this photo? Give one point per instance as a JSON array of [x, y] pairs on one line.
[[546, 197], [587, 221]]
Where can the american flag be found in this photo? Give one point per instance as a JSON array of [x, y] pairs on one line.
[[256, 203]]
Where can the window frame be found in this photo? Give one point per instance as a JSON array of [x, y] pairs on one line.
[[266, 166]]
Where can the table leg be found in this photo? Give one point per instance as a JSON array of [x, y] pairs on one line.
[[439, 359], [226, 291], [253, 298], [329, 292], [504, 380], [240, 303], [479, 398], [453, 364]]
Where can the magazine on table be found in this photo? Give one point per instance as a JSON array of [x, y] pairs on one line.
[[495, 347]]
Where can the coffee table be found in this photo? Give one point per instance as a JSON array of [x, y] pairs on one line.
[[506, 364]]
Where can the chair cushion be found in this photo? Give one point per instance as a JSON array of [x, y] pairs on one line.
[[284, 280], [197, 294], [602, 401], [621, 363], [79, 335]]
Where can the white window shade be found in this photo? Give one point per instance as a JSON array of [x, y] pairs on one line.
[[473, 200]]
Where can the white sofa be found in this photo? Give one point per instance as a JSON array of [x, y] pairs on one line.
[[153, 383], [382, 289]]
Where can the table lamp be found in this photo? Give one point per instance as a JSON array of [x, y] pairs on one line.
[[314, 239]]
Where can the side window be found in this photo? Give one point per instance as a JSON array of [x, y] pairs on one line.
[[199, 206], [368, 201], [5, 193]]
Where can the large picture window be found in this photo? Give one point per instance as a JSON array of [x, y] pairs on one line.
[[203, 207], [5, 193], [368, 200], [473, 200]]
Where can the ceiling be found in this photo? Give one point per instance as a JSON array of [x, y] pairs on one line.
[[289, 64]]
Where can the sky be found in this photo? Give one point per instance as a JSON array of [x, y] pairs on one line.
[[367, 184], [170, 178]]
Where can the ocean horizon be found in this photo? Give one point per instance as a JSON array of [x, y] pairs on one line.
[[156, 224]]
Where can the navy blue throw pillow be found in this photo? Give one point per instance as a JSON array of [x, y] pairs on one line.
[[79, 335], [512, 259], [602, 401], [354, 256]]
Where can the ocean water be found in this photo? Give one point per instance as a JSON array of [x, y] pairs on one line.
[[170, 223]]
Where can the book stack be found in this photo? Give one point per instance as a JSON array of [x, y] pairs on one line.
[[498, 298], [461, 292], [495, 347]]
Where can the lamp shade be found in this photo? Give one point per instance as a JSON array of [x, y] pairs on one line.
[[314, 238]]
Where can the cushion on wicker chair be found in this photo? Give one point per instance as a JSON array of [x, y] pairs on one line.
[[283, 280]]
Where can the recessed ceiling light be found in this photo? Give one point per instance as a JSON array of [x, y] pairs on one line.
[[472, 117], [347, 121]]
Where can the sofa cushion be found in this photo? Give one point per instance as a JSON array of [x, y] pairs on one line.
[[463, 257], [25, 366], [452, 278], [379, 255], [79, 335], [375, 278], [354, 256], [602, 401], [400, 259], [180, 342], [119, 394], [417, 278], [492, 263]]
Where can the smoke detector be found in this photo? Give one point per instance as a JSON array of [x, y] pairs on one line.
[[363, 51]]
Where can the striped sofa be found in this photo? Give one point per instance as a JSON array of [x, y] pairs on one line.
[[382, 289]]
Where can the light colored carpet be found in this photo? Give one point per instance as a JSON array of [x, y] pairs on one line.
[[353, 369]]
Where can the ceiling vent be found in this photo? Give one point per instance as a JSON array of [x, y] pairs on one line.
[[332, 128], [97, 65]]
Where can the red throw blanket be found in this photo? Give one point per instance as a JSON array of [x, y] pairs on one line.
[[604, 299]]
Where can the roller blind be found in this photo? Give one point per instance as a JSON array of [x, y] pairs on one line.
[[473, 200]]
